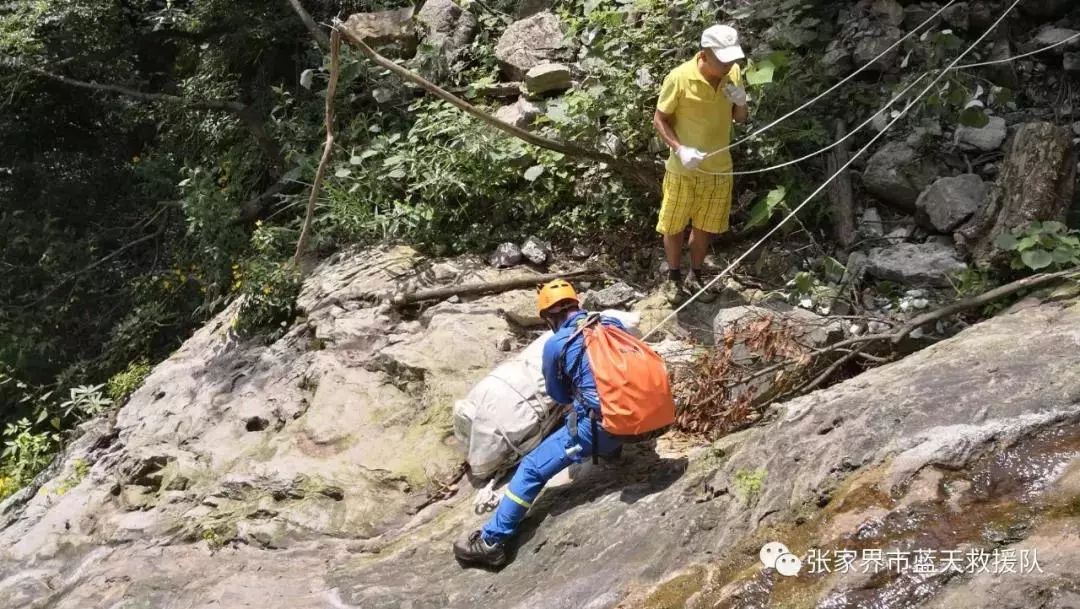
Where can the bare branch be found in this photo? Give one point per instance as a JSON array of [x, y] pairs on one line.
[[316, 31], [328, 147]]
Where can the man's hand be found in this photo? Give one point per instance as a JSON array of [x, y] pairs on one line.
[[690, 157], [736, 95]]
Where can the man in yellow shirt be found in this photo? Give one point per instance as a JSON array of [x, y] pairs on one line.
[[698, 102]]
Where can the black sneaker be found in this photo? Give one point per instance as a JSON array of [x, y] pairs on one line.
[[474, 550], [673, 292], [694, 284]]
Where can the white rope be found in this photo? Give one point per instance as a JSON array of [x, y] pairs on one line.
[[826, 148], [834, 87], [1014, 58], [885, 107], [829, 180]]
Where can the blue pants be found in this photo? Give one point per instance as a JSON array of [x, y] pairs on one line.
[[539, 466]]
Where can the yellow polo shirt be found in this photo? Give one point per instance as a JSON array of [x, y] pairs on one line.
[[702, 115]]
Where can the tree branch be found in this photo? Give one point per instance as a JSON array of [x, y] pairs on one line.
[[643, 175], [328, 147], [316, 31]]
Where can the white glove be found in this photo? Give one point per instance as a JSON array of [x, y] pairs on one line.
[[689, 157], [736, 95]]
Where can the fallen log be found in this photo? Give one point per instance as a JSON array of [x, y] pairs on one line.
[[493, 287]]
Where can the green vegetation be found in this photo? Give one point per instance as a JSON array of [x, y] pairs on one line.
[[1041, 246], [749, 484], [123, 384]]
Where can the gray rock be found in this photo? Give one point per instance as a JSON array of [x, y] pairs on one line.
[[615, 296], [897, 174], [394, 27], [528, 43], [866, 49], [1052, 35], [915, 264], [987, 138], [536, 250], [506, 255], [1071, 62], [949, 202], [448, 27], [1037, 182], [580, 251], [1076, 127], [870, 225], [521, 113], [888, 12], [837, 57], [546, 78]]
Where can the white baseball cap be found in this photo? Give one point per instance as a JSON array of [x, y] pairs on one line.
[[723, 40]]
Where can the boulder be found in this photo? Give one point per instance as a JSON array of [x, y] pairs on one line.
[[812, 329], [1036, 182], [986, 138], [957, 15], [536, 250], [949, 202], [897, 174], [393, 28], [615, 296], [914, 264], [447, 26], [528, 43], [521, 113], [1053, 35], [507, 254], [546, 78]]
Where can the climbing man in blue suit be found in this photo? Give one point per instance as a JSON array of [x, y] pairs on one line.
[[569, 380]]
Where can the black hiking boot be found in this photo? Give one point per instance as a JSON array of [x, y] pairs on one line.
[[695, 284], [474, 550]]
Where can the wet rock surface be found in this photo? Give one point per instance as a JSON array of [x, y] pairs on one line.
[[305, 473]]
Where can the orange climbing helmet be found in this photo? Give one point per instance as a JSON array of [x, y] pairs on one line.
[[553, 293]]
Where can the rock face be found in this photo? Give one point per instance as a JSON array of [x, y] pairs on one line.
[[1036, 182], [870, 29], [1054, 35], [615, 296], [949, 202], [546, 78], [1047, 8], [528, 43], [915, 264], [986, 138], [876, 458], [896, 174], [448, 27]]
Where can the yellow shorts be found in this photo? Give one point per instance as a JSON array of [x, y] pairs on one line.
[[701, 199]]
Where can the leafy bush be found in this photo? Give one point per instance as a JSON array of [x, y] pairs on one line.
[[267, 293], [25, 454], [1041, 246], [123, 384]]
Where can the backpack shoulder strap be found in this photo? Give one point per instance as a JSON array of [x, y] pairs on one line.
[[590, 320]]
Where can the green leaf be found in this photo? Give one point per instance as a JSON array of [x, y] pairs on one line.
[[1006, 241], [1037, 259], [974, 117], [760, 73], [1027, 243], [804, 282], [1053, 226], [534, 172], [55, 422], [1063, 255], [42, 415], [763, 210], [343, 173]]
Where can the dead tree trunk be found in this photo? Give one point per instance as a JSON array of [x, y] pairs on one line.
[[841, 199]]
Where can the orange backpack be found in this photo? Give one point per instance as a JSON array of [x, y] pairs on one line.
[[631, 380]]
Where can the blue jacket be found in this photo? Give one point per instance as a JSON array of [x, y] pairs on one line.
[[580, 376]]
